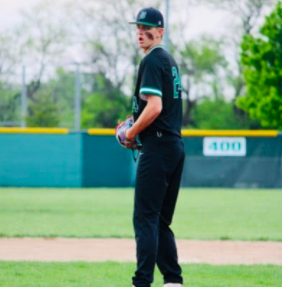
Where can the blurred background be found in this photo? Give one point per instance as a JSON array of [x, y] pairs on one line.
[[73, 63], [71, 67]]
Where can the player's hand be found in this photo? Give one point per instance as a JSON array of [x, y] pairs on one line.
[[130, 138], [130, 135]]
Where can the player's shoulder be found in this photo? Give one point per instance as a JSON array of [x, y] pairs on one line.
[[151, 58], [155, 56]]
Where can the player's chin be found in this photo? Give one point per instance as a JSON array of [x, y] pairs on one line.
[[141, 44], [145, 47]]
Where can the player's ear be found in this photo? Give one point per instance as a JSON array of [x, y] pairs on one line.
[[161, 32]]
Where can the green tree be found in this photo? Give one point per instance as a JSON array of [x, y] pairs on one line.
[[217, 114], [43, 112], [62, 85], [9, 90], [9, 105], [201, 64], [100, 111], [262, 62]]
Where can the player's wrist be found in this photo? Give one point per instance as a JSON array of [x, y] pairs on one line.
[[130, 135]]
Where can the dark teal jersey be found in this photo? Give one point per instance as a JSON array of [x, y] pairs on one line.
[[159, 75]]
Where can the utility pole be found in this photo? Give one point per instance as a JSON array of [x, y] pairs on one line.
[[77, 102], [166, 36], [23, 99]]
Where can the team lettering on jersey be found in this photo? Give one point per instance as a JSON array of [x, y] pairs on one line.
[[135, 106]]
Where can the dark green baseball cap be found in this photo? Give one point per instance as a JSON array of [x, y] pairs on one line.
[[150, 17]]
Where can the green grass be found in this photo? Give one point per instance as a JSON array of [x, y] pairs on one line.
[[200, 214], [112, 274]]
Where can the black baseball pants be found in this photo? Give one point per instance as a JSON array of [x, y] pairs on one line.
[[157, 184]]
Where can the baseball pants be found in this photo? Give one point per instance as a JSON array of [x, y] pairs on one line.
[[158, 179]]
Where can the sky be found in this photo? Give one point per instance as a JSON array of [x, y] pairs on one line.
[[201, 19], [9, 11]]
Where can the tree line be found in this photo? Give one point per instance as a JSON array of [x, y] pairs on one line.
[[216, 94]]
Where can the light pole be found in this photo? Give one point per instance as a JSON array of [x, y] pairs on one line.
[[23, 99], [166, 36], [77, 102]]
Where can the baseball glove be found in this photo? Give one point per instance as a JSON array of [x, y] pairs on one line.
[[121, 137]]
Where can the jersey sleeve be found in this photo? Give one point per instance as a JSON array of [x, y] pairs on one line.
[[152, 80]]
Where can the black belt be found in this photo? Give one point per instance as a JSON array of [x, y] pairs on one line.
[[159, 134]]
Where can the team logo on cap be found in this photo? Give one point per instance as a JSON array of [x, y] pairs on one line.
[[143, 15]]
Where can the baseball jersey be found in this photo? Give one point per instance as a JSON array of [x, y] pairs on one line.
[[159, 75]]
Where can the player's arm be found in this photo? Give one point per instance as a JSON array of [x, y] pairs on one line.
[[149, 114]]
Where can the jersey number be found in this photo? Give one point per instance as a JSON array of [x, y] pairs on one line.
[[177, 82]]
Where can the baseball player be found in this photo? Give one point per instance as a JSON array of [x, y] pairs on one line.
[[157, 111]]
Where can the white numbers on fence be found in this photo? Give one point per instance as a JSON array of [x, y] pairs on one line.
[[224, 146]]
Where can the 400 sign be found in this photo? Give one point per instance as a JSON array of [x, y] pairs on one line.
[[225, 146]]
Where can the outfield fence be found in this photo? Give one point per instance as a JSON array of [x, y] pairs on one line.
[[58, 157]]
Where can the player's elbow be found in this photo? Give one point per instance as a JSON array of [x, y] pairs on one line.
[[155, 104], [158, 109]]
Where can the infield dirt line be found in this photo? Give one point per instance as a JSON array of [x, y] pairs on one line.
[[123, 250]]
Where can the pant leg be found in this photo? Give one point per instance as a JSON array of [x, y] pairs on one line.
[[150, 189], [167, 258]]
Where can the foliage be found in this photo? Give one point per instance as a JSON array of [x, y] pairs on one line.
[[262, 61], [106, 105], [44, 36], [43, 112], [49, 33], [203, 56], [201, 64], [217, 114], [62, 86], [101, 111], [9, 104]]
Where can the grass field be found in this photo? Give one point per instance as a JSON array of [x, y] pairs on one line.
[[111, 274], [201, 213]]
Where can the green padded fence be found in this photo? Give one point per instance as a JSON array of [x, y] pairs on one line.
[[93, 158]]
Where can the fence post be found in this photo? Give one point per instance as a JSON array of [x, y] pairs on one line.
[[23, 99], [166, 36], [77, 104]]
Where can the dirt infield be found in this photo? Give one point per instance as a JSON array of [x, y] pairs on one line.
[[98, 250]]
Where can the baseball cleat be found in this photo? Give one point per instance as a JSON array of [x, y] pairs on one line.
[[173, 285]]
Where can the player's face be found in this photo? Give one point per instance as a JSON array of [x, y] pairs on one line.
[[148, 36]]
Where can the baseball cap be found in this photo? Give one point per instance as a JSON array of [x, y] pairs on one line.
[[150, 17]]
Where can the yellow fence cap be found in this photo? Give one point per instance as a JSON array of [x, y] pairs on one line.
[[35, 130], [247, 133]]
